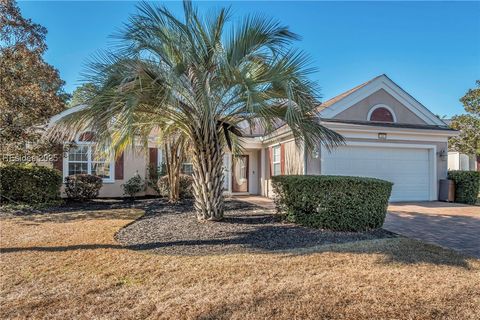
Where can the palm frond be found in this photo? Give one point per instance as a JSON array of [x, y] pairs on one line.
[[195, 74]]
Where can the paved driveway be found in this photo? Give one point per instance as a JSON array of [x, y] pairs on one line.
[[453, 226]]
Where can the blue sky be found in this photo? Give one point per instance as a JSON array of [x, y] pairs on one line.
[[431, 49]]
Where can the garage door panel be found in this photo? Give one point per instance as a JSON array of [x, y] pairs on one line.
[[408, 169]]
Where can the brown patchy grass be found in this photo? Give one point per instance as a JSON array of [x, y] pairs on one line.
[[68, 266]]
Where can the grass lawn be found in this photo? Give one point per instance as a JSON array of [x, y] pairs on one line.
[[68, 265]]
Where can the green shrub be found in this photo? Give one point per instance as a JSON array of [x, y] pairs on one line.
[[153, 173], [82, 186], [133, 186], [333, 202], [29, 184], [186, 186], [467, 184]]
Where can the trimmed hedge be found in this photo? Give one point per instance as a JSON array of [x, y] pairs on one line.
[[467, 185], [29, 184], [83, 186], [338, 203], [186, 186]]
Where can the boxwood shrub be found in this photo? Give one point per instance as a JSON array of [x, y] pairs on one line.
[[467, 184], [82, 186], [339, 203], [29, 184]]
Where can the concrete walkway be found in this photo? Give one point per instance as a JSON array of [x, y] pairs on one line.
[[449, 225], [263, 202]]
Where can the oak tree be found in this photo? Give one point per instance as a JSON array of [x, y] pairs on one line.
[[30, 89]]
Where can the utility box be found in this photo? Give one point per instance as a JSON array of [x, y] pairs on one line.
[[447, 190]]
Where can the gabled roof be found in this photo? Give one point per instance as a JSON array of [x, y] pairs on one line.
[[65, 113], [335, 99], [334, 106]]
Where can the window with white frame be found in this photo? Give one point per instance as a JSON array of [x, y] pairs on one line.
[[186, 167], [82, 159], [276, 165]]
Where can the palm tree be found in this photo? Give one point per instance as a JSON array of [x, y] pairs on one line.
[[175, 150], [205, 79]]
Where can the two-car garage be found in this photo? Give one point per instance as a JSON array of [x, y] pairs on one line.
[[410, 167]]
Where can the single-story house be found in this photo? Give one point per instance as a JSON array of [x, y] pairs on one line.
[[389, 135]]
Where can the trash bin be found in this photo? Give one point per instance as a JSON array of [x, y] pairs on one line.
[[447, 190]]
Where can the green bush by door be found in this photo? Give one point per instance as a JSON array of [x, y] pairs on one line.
[[339, 203]]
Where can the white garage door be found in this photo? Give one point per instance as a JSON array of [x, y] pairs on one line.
[[408, 169]]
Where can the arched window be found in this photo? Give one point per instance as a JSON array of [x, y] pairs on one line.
[[381, 113]]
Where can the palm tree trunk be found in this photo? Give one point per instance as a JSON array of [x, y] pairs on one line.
[[208, 178], [174, 159]]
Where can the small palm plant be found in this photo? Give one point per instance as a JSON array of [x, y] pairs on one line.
[[207, 80]]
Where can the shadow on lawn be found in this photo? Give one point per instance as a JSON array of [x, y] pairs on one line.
[[250, 232], [106, 209], [389, 250]]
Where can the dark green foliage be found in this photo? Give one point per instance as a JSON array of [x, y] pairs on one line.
[[467, 184], [153, 174], [333, 202], [133, 186], [82, 186], [186, 186], [29, 184]]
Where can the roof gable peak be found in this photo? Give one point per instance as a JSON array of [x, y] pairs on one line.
[[345, 100]]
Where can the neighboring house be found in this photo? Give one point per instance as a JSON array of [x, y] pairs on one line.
[[389, 135], [461, 161]]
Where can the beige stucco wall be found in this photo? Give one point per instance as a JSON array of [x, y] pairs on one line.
[[293, 158], [134, 161], [294, 163], [359, 111]]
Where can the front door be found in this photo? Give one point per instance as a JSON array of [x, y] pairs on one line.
[[240, 174]]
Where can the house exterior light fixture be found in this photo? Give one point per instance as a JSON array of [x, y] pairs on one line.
[[443, 155], [382, 136]]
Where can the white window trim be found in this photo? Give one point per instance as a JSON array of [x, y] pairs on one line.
[[378, 106], [279, 162], [89, 163]]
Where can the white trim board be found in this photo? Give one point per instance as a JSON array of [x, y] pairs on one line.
[[339, 126], [65, 113], [382, 82], [432, 149], [358, 133]]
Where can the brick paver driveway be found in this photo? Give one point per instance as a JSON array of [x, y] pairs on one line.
[[453, 226]]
